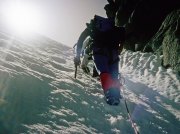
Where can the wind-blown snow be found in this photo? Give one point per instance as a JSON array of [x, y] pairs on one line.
[[146, 68], [38, 92]]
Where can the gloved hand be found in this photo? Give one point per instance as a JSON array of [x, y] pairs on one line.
[[77, 61]]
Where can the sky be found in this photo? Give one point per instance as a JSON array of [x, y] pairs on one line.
[[61, 20], [67, 18], [39, 94]]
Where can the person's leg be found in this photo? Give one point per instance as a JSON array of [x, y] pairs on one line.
[[113, 94], [84, 64], [101, 63], [101, 60], [113, 66], [114, 69]]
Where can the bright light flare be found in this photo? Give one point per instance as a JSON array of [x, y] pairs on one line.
[[21, 17]]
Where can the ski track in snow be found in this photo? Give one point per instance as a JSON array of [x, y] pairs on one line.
[[38, 93]]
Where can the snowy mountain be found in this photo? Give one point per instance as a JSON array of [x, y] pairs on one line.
[[38, 92]]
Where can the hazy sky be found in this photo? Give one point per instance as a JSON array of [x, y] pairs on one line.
[[61, 20], [67, 18]]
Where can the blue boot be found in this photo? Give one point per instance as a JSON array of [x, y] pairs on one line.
[[113, 96]]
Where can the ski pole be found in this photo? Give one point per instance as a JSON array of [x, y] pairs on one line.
[[75, 64], [75, 45], [75, 71]]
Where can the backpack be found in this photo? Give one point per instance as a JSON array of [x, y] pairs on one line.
[[104, 32]]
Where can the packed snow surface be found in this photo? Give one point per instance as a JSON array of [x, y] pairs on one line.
[[39, 94]]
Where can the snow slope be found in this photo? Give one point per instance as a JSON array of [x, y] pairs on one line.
[[38, 92]]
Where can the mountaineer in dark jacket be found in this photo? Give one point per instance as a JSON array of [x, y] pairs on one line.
[[107, 44]]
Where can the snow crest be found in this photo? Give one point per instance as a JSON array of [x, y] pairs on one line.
[[146, 68]]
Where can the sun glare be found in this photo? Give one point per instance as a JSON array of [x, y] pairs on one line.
[[21, 17]]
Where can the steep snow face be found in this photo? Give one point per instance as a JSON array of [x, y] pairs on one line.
[[38, 92], [146, 68]]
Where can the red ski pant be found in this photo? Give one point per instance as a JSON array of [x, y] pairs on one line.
[[107, 63]]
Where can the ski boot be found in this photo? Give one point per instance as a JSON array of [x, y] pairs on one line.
[[111, 89], [112, 96]]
